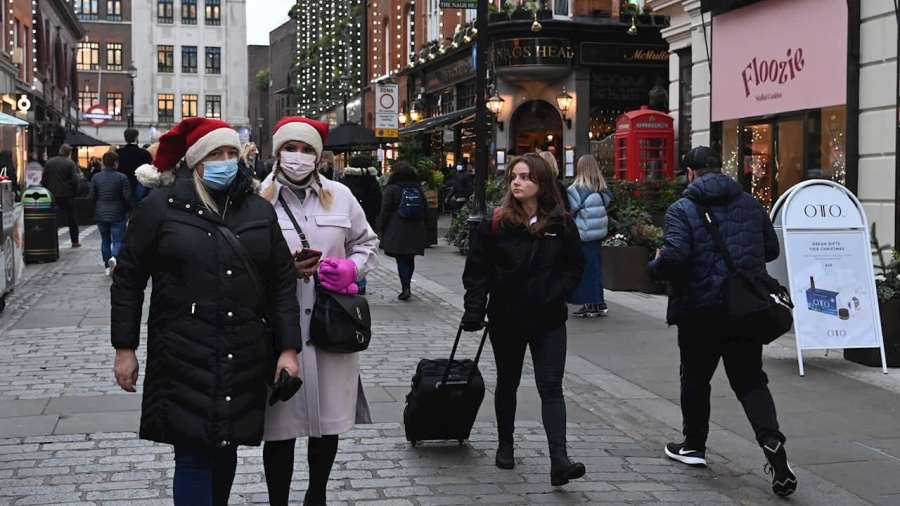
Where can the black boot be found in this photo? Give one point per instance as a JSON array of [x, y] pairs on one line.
[[405, 294], [562, 469], [505, 458], [308, 502]]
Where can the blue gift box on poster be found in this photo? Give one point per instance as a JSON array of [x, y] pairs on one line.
[[821, 301]]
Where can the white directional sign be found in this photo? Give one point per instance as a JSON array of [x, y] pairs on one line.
[[387, 110]]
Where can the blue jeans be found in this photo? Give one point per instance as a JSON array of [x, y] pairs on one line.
[[590, 290], [361, 284], [406, 265], [111, 235], [203, 477]]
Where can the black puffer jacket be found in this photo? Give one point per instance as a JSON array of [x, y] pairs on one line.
[[111, 195], [689, 258], [364, 186], [399, 235], [526, 278], [209, 350]]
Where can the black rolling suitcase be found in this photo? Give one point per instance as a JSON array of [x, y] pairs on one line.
[[445, 397]]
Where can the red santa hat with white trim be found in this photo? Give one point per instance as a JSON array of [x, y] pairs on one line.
[[298, 128], [191, 140]]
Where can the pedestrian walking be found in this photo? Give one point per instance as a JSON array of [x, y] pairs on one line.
[[113, 199], [527, 261], [462, 187], [403, 210], [328, 168], [361, 177], [60, 176], [131, 157], [691, 261], [588, 199], [250, 157], [95, 166], [550, 158], [223, 309], [342, 249]]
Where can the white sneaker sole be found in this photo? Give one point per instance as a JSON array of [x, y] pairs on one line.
[[686, 459], [112, 264]]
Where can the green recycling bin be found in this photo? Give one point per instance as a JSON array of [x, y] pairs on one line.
[[41, 231]]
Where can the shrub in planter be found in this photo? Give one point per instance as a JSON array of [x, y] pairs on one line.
[[887, 285], [458, 235]]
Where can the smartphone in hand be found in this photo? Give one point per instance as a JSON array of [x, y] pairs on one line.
[[306, 254]]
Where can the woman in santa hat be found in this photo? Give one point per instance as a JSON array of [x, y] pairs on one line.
[[342, 249], [215, 337]]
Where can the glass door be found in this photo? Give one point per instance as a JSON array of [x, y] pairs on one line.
[[789, 151], [757, 171]]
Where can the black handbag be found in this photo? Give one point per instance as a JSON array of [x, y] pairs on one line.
[[340, 323], [758, 306]]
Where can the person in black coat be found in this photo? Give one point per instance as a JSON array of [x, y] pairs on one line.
[[403, 223], [527, 261], [112, 198], [361, 178], [462, 187], [131, 158], [7, 162], [215, 336], [60, 176]]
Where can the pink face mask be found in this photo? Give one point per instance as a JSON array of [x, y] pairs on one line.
[[297, 166]]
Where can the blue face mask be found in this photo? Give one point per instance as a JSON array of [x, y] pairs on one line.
[[218, 175]]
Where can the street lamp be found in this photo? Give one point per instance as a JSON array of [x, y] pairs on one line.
[[345, 90], [495, 105], [402, 118], [132, 75], [414, 114], [564, 101]]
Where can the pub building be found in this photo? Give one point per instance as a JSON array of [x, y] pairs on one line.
[[791, 91], [557, 83]]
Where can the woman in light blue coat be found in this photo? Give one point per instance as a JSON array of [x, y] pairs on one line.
[[588, 199]]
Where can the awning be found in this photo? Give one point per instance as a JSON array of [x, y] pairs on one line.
[[438, 121], [78, 139], [6, 119]]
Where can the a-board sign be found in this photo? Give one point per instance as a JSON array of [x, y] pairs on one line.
[[387, 110], [826, 262]]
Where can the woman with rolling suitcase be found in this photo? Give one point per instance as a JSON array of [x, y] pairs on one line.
[[527, 260]]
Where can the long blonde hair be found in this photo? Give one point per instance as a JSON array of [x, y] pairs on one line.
[[551, 161], [203, 192], [245, 154], [588, 175], [325, 195]]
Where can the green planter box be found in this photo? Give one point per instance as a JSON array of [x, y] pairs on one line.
[[890, 327]]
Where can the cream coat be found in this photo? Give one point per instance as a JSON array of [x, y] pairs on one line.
[[331, 399]]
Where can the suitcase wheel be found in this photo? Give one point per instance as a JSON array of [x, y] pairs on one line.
[[414, 443]]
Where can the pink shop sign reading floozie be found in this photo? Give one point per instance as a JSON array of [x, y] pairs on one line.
[[777, 56]]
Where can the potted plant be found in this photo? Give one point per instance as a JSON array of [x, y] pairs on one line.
[[887, 286], [497, 15], [524, 11], [625, 255], [458, 234]]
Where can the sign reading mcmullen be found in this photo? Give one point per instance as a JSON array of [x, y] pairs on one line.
[[532, 51]]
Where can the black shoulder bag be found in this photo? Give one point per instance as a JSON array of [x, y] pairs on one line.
[[340, 323], [759, 307]]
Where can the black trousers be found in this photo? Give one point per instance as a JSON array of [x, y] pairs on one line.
[[67, 206], [701, 346], [278, 462], [548, 353]]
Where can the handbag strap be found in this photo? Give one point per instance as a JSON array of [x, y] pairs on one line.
[[249, 266], [709, 221], [287, 210]]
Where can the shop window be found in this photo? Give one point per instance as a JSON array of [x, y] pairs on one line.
[[467, 95], [88, 57], [165, 11], [189, 59], [114, 104], [189, 12], [213, 13], [833, 146], [114, 56], [114, 10], [165, 56], [88, 9], [166, 105]]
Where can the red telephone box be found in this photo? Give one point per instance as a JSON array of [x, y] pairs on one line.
[[645, 146]]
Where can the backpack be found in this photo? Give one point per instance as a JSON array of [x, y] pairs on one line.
[[760, 309], [412, 205]]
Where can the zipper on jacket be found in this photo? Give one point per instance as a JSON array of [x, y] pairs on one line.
[[534, 247], [193, 307]]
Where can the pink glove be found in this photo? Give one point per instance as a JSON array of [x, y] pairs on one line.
[[337, 275]]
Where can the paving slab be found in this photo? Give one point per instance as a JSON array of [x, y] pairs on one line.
[[87, 423], [27, 426], [94, 404], [22, 407]]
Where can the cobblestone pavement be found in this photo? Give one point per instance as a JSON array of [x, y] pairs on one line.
[[620, 445]]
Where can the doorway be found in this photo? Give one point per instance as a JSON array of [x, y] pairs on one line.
[[537, 126], [772, 157]]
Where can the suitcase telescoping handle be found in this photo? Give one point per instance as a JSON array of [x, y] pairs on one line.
[[453, 354]]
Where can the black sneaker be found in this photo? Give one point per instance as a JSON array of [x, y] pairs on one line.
[[682, 452], [581, 312], [784, 481], [602, 309]]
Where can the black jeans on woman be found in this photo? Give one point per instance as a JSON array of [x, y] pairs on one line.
[[548, 353], [406, 265], [203, 477], [278, 461]]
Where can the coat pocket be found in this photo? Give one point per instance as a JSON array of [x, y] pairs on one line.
[[333, 220]]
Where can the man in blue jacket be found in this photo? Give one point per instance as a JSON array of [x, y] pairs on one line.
[[691, 262]]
